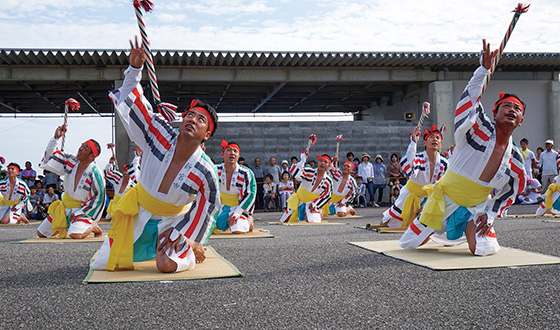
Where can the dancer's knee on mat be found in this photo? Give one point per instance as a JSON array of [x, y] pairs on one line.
[[165, 265]]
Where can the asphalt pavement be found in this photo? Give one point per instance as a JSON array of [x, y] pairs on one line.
[[306, 277]]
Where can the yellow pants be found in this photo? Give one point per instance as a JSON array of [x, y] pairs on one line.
[[301, 195]]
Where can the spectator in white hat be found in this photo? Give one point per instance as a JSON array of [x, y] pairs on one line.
[[548, 164]]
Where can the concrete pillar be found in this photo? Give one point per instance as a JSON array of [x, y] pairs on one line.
[[122, 141], [440, 96], [554, 111]]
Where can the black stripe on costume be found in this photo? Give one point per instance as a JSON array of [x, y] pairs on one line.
[[460, 122], [153, 147], [484, 121], [418, 167], [473, 143]]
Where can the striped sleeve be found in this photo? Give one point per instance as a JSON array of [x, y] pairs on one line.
[[23, 190], [248, 192], [407, 161], [469, 109], [57, 161], [95, 205], [201, 217], [326, 195], [151, 132], [296, 170], [515, 185], [352, 193], [113, 175]]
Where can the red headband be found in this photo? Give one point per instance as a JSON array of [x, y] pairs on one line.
[[15, 168], [325, 157], [433, 130], [208, 116], [93, 148], [510, 98], [226, 145], [349, 162]]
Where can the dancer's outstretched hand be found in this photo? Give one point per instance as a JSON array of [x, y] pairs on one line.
[[487, 55], [137, 54], [60, 131]]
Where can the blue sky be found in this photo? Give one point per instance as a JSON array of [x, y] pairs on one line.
[[280, 25]]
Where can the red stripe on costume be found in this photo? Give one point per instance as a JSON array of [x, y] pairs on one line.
[[88, 182], [83, 220], [492, 234], [462, 109], [240, 178], [199, 208], [480, 133], [406, 168], [394, 215], [508, 204], [307, 175], [415, 229], [138, 102], [184, 254], [521, 174], [111, 175], [421, 161], [69, 164]]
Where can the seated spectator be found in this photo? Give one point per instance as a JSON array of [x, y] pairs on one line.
[[269, 194], [294, 160], [34, 207], [40, 191], [285, 189], [51, 180], [361, 196], [532, 194], [49, 198], [395, 191], [312, 163]]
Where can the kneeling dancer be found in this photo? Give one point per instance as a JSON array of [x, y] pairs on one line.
[[422, 168], [484, 159], [345, 190], [83, 201], [169, 214], [314, 192], [238, 190], [14, 196]]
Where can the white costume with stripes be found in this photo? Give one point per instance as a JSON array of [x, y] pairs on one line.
[[308, 177], [244, 186], [20, 192], [196, 184], [89, 189], [475, 138], [417, 167], [113, 175], [346, 193]]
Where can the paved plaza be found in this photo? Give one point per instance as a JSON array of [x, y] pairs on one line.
[[306, 277]]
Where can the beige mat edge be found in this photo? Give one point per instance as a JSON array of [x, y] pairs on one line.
[[182, 276], [257, 233], [412, 256], [303, 223], [39, 240]]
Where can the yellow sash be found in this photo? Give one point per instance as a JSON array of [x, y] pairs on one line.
[[229, 199], [411, 204], [334, 199], [460, 190], [122, 232], [548, 202], [58, 213], [6, 202], [112, 203], [301, 195]]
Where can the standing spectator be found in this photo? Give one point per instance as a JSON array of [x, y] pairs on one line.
[[49, 198], [361, 197], [351, 158], [285, 189], [273, 170], [365, 170], [529, 160], [269, 194], [241, 161], [51, 180], [258, 170], [28, 175], [549, 166], [285, 166], [394, 169], [379, 178], [294, 160], [538, 171]]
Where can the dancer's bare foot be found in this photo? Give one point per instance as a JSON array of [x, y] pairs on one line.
[[97, 231], [23, 219]]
